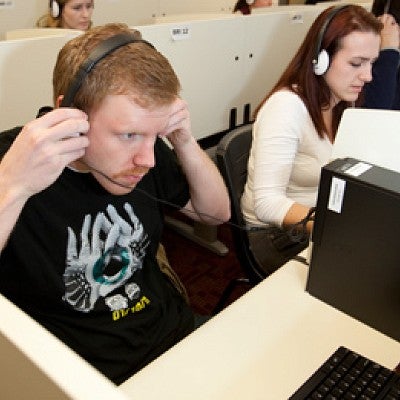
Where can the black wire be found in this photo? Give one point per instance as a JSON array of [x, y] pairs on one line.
[[297, 232]]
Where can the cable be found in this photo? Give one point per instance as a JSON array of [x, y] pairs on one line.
[[297, 232], [387, 7], [168, 203]]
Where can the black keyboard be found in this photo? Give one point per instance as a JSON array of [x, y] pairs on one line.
[[349, 375]]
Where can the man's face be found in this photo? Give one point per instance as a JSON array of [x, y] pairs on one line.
[[121, 141]]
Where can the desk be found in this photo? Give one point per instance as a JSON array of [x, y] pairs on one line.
[[263, 346]]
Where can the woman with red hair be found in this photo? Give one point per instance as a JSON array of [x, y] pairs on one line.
[[296, 122]]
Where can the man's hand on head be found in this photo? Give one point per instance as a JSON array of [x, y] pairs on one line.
[[43, 148], [178, 129]]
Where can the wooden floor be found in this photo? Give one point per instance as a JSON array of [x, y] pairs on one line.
[[204, 273]]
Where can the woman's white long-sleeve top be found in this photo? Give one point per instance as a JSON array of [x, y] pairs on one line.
[[285, 160]]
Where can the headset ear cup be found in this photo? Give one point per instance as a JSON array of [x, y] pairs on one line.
[[322, 64], [250, 2], [54, 9]]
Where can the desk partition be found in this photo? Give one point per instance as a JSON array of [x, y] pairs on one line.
[[26, 70], [230, 63], [36, 365], [224, 64], [28, 33], [207, 61], [23, 14]]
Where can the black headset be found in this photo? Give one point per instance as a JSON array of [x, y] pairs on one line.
[[321, 58], [98, 53]]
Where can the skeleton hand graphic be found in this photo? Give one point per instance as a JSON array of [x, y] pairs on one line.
[[103, 265]]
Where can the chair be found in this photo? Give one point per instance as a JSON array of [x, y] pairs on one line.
[[232, 155]]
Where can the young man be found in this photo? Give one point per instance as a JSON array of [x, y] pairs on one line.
[[81, 192]]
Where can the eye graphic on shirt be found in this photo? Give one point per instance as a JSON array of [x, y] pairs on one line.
[[111, 250]]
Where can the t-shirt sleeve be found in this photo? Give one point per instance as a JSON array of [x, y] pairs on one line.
[[7, 138]]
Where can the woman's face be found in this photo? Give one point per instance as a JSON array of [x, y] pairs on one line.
[[77, 14], [351, 66]]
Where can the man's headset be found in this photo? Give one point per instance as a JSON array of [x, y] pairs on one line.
[[321, 58], [101, 51]]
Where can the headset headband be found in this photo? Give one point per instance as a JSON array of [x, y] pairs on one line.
[[324, 28], [98, 53]]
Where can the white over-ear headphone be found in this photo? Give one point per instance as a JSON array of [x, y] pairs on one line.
[[321, 59], [54, 8], [250, 2]]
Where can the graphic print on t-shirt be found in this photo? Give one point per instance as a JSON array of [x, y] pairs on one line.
[[111, 250]]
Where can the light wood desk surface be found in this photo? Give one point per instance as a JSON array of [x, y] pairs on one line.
[[263, 346]]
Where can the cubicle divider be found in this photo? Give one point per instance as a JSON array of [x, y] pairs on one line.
[[136, 12], [16, 14], [37, 365], [271, 40], [225, 65], [26, 70], [206, 57], [24, 14], [27, 33], [131, 12]]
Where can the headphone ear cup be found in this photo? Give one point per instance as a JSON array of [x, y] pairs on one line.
[[54, 9], [250, 2], [322, 64]]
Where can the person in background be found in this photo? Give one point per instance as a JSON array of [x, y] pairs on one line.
[[82, 196], [245, 6], [68, 14], [384, 90], [316, 1], [296, 123]]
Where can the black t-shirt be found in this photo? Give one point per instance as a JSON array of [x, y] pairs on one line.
[[82, 263]]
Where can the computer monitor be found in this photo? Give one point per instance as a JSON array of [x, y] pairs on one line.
[[369, 135]]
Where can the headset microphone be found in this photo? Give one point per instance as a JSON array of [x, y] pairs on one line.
[[387, 7]]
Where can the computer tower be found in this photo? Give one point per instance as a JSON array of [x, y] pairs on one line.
[[355, 257]]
